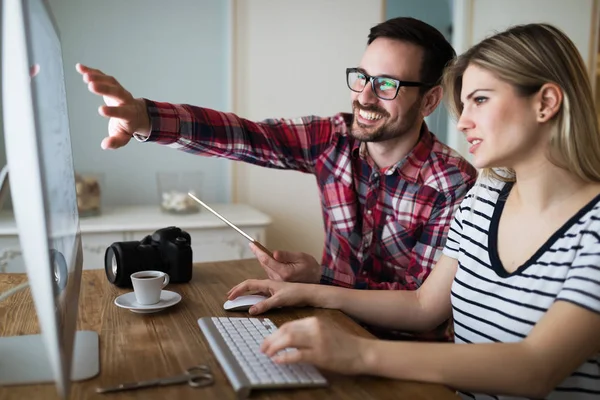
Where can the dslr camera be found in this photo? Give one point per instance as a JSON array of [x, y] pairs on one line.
[[168, 250]]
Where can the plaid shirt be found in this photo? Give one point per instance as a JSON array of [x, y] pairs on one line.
[[384, 228]]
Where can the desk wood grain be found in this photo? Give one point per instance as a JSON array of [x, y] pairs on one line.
[[146, 346]]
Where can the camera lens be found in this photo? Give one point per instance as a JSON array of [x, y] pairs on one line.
[[111, 264], [114, 264], [122, 259]]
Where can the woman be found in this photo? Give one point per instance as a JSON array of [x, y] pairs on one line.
[[520, 272]]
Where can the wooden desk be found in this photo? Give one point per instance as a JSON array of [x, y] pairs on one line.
[[147, 346]]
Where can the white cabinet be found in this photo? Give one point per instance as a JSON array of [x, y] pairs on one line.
[[212, 239]]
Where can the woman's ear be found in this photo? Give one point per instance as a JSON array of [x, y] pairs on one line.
[[549, 101], [431, 100]]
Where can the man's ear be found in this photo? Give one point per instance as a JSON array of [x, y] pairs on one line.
[[549, 101], [431, 99]]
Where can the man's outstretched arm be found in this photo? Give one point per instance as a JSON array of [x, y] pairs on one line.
[[284, 143]]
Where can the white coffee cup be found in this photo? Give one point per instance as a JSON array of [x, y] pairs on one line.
[[147, 286]]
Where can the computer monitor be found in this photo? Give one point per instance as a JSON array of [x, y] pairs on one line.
[[42, 187]]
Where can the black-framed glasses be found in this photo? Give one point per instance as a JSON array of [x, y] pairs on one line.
[[385, 88]]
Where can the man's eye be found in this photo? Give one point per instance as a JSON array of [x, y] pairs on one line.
[[386, 84], [360, 77]]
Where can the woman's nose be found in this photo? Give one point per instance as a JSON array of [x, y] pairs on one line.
[[464, 122]]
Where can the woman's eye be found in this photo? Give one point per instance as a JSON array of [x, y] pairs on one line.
[[480, 100]]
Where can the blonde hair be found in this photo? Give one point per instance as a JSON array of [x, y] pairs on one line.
[[527, 57]]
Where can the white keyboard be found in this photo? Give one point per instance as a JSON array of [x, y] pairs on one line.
[[236, 344]]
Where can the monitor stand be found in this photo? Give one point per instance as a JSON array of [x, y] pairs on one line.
[[25, 359]]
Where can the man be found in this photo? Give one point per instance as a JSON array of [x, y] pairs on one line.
[[389, 188]]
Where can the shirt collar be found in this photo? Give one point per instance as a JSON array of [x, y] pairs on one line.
[[410, 166]]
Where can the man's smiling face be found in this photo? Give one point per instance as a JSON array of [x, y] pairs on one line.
[[377, 120]]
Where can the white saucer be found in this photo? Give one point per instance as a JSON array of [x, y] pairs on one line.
[[128, 301]]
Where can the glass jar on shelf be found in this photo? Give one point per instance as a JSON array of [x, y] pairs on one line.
[[88, 186], [173, 188]]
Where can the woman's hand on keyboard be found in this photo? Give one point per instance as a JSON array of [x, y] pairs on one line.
[[282, 294], [318, 342]]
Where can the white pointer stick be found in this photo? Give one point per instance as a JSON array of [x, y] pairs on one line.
[[241, 232]]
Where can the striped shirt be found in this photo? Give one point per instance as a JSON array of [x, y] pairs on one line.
[[491, 305], [384, 228]]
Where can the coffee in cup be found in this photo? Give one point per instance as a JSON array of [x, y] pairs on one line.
[[147, 286]]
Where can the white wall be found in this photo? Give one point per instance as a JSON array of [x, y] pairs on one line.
[[167, 51], [475, 20], [291, 58]]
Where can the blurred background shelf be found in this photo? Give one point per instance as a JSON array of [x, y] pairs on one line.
[[212, 240]]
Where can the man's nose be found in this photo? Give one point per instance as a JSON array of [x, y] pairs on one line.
[[367, 96]]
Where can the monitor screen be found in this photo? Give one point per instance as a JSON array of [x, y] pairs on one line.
[[42, 179]]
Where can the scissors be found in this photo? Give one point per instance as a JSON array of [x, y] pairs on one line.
[[197, 376]]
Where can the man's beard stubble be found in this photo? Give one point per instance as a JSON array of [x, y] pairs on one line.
[[388, 130]]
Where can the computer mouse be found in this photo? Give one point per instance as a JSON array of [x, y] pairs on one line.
[[243, 303]]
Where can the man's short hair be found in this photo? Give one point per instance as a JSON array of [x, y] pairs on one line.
[[437, 52]]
